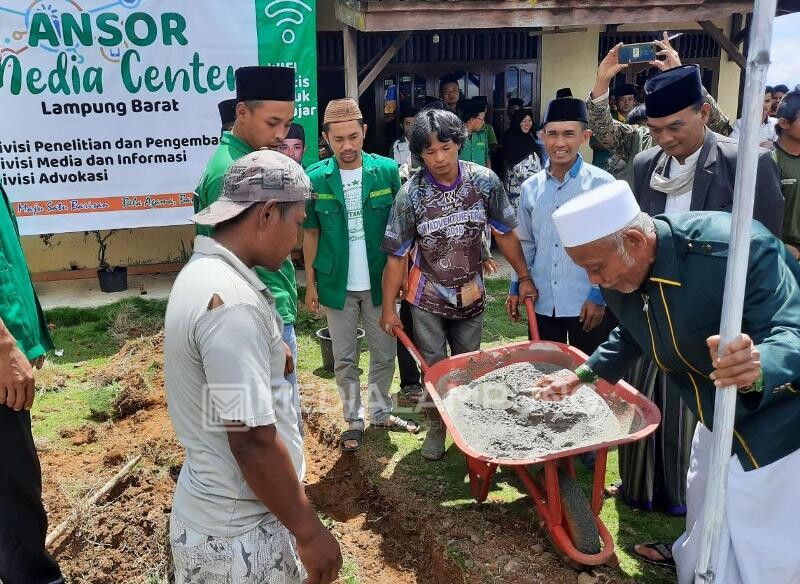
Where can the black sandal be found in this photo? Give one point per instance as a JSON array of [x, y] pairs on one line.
[[411, 393], [395, 424], [614, 490], [661, 547], [352, 435]]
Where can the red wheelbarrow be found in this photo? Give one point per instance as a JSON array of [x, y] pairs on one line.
[[572, 521]]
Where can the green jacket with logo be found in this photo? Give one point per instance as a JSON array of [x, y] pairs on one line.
[[282, 283], [19, 307], [680, 305], [328, 213], [476, 148]]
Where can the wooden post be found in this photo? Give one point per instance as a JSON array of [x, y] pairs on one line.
[[391, 51], [724, 42], [350, 63]]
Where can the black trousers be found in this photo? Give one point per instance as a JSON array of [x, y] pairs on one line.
[[561, 329], [409, 372], [23, 522]]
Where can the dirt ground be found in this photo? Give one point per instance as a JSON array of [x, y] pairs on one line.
[[124, 538], [385, 530]]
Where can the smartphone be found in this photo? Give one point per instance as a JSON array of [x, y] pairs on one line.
[[637, 53]]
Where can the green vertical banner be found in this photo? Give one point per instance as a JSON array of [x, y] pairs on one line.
[[287, 37]]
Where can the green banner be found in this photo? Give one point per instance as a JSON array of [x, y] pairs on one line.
[[287, 36]]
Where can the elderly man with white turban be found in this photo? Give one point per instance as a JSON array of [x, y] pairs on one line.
[[663, 278]]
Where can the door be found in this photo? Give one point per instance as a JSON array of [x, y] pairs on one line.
[[514, 81]]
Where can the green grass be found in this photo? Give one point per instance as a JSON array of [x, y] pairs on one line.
[[69, 408], [86, 334], [88, 337], [349, 573]]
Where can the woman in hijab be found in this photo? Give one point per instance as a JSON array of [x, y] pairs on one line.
[[521, 154]]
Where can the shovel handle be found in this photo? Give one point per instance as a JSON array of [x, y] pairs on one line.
[[401, 334], [532, 324]]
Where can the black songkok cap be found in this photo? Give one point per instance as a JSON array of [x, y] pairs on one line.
[[624, 89], [566, 109], [265, 83], [563, 92], [673, 90], [227, 110], [296, 132]]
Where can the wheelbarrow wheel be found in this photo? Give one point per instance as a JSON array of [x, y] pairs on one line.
[[578, 515]]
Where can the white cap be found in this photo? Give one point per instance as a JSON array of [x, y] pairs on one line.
[[596, 214]]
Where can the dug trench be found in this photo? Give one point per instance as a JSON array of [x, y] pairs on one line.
[[392, 527]]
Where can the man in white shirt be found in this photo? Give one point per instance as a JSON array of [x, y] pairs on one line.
[[344, 265], [766, 133], [240, 513], [400, 151]]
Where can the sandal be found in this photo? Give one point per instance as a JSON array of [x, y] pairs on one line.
[[352, 435], [411, 393], [613, 490], [395, 424], [664, 549]]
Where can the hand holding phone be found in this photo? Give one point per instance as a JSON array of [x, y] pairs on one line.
[[637, 53]]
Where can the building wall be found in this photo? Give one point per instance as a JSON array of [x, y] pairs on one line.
[[729, 76], [150, 245], [569, 60]]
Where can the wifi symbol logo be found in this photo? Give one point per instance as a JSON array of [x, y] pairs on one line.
[[288, 12]]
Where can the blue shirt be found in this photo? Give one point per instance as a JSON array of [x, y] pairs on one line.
[[563, 286]]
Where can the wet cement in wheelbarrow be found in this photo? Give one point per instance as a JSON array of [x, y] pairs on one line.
[[496, 417]]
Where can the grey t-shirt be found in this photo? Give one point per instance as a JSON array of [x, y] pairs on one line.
[[223, 364]]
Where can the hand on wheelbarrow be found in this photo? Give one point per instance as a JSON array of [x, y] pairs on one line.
[[557, 386], [526, 288], [389, 320]]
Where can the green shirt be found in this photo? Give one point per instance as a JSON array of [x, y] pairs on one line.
[[789, 167], [491, 137], [476, 148], [283, 283], [19, 307], [328, 213]]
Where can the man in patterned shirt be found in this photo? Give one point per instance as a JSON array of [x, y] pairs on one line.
[[438, 218]]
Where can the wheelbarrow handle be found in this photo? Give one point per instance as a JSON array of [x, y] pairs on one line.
[[532, 324], [401, 334], [423, 366]]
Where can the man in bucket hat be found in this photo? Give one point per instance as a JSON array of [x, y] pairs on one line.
[[239, 512]]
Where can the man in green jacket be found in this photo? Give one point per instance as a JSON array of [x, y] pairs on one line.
[[664, 279], [264, 113], [24, 340], [476, 146], [344, 229]]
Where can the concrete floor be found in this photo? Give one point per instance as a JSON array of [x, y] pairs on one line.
[[87, 294]]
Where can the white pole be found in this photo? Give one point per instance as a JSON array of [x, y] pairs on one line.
[[735, 279]]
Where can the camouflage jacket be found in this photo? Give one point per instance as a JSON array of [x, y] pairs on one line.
[[625, 141]]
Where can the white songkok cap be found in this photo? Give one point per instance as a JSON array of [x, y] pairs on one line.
[[596, 214]]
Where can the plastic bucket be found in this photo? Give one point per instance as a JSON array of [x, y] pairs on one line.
[[326, 346], [113, 280]]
